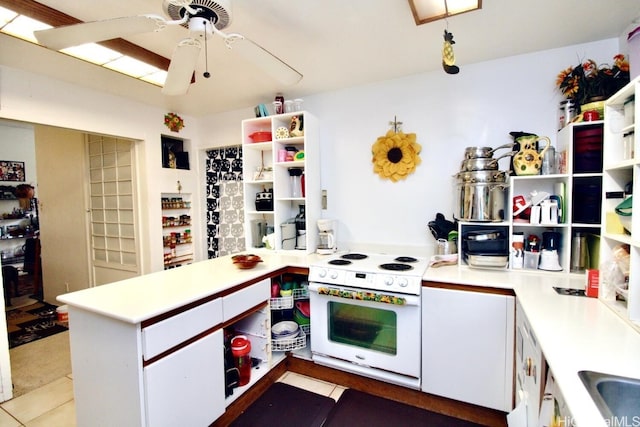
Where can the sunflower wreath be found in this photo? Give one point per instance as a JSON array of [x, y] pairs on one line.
[[396, 155]]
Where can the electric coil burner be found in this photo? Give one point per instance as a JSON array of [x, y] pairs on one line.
[[339, 262], [406, 259], [394, 266], [354, 256]]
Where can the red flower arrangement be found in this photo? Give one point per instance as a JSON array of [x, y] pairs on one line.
[[173, 121]]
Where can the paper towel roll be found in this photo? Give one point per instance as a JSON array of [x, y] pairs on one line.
[[288, 231]]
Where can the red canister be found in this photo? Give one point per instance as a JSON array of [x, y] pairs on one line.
[[241, 349]]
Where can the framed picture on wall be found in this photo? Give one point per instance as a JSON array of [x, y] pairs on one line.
[[11, 171]]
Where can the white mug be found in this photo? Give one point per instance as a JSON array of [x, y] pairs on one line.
[[535, 215], [549, 212]]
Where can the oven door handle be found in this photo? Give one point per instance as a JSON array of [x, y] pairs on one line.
[[363, 295]]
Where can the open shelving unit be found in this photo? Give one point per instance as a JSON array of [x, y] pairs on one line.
[[265, 172], [575, 180], [620, 169]]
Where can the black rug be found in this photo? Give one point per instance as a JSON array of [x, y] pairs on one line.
[[284, 405], [32, 323], [357, 409]]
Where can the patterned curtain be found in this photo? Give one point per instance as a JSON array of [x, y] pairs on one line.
[[225, 200]]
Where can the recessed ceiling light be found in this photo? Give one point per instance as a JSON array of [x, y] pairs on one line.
[[432, 10]]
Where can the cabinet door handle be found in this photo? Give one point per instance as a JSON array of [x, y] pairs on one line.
[[530, 368]]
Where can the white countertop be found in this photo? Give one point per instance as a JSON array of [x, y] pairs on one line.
[[575, 333], [141, 298]]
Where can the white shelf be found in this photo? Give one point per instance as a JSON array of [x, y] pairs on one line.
[[181, 252], [618, 172], [265, 155], [524, 185]]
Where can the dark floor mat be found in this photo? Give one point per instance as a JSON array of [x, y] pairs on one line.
[[32, 323], [285, 405], [355, 409]]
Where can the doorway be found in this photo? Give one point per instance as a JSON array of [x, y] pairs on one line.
[[78, 175]]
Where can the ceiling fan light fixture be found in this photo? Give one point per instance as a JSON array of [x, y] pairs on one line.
[[425, 11]]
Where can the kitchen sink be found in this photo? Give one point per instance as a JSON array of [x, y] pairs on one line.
[[617, 398]]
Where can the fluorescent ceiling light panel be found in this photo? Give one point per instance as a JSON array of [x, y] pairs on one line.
[[93, 52], [22, 27], [156, 78], [6, 15], [130, 66], [432, 10]]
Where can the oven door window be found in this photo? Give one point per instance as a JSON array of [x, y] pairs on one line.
[[366, 327]]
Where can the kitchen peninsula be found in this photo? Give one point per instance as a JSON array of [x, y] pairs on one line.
[[575, 333]]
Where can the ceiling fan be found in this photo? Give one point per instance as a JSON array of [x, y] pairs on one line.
[[203, 18]]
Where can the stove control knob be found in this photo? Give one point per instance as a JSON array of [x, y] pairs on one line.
[[388, 280], [322, 272], [403, 282], [334, 274]]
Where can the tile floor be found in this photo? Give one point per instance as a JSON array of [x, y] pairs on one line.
[[52, 405]]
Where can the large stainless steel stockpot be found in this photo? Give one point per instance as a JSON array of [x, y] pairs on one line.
[[481, 201], [483, 152], [482, 176], [483, 163]]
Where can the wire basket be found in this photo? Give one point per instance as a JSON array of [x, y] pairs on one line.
[[281, 303], [301, 293], [306, 329], [290, 344]]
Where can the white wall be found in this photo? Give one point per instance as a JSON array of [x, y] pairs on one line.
[[16, 143], [478, 107]]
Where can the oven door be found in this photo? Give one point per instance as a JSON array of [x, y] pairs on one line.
[[370, 329]]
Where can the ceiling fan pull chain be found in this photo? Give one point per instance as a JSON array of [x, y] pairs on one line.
[[206, 73]]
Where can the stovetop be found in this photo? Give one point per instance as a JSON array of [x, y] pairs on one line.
[[392, 273]]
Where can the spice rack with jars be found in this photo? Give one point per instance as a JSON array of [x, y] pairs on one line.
[[177, 240], [281, 168], [621, 173]]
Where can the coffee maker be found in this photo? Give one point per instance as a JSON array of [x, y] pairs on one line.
[[326, 236]]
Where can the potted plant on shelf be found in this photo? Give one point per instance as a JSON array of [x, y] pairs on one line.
[[589, 85]]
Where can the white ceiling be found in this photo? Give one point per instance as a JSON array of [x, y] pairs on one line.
[[336, 44]]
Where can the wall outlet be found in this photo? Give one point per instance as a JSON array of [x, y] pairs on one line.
[[66, 286]]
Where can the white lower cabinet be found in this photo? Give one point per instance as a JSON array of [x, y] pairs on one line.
[[530, 371], [467, 346], [168, 370], [186, 387]]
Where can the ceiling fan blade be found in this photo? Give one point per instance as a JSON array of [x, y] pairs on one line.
[[87, 32], [265, 60], [183, 63]]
